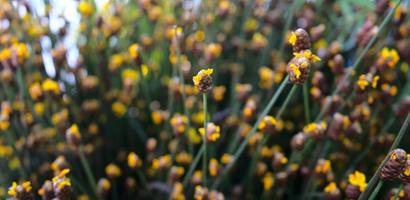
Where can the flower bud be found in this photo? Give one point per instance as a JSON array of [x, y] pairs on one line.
[[394, 165]]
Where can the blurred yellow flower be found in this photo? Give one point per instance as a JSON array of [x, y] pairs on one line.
[[119, 109], [358, 179], [130, 74], [50, 86], [113, 170], [85, 8]]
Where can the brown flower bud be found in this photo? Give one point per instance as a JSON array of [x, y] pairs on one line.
[[352, 191], [403, 108], [382, 6], [300, 40], [394, 165], [282, 177], [73, 136], [104, 186], [47, 192], [298, 141], [279, 160], [405, 174], [203, 80], [298, 69]]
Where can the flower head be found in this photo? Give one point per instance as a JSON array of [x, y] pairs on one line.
[[358, 179], [203, 80], [213, 132]]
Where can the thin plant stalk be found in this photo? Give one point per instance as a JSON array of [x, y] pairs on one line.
[[244, 143], [266, 138], [193, 164], [376, 191], [356, 64], [348, 76], [375, 178], [204, 138], [398, 192], [88, 172], [181, 78], [306, 102]]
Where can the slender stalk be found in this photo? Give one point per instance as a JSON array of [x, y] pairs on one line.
[[194, 164], [88, 172], [204, 138], [306, 103], [181, 78], [289, 19], [398, 192], [363, 153], [286, 102], [244, 143], [375, 179], [376, 191], [11, 141], [266, 138], [141, 176], [356, 64]]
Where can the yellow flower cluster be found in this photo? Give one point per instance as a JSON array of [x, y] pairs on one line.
[[213, 132], [358, 179]]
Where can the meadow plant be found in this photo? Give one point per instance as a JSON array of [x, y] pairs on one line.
[[205, 100]]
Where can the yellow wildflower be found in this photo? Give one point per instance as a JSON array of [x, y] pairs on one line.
[[112, 170], [50, 86], [203, 80], [268, 181], [119, 109], [295, 70], [213, 132], [292, 38], [133, 160], [358, 179], [85, 8], [330, 187]]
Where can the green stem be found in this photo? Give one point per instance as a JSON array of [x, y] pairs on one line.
[[286, 102], [398, 192], [141, 176], [88, 172], [376, 191], [181, 78], [266, 138], [306, 103], [204, 138], [359, 59], [11, 141], [289, 19], [375, 178], [244, 143], [193, 164]]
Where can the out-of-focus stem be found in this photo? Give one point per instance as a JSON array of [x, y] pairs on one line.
[[181, 78], [244, 143], [376, 191], [88, 172], [204, 138], [398, 191], [306, 103], [194, 164], [360, 58], [375, 178], [266, 138]]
